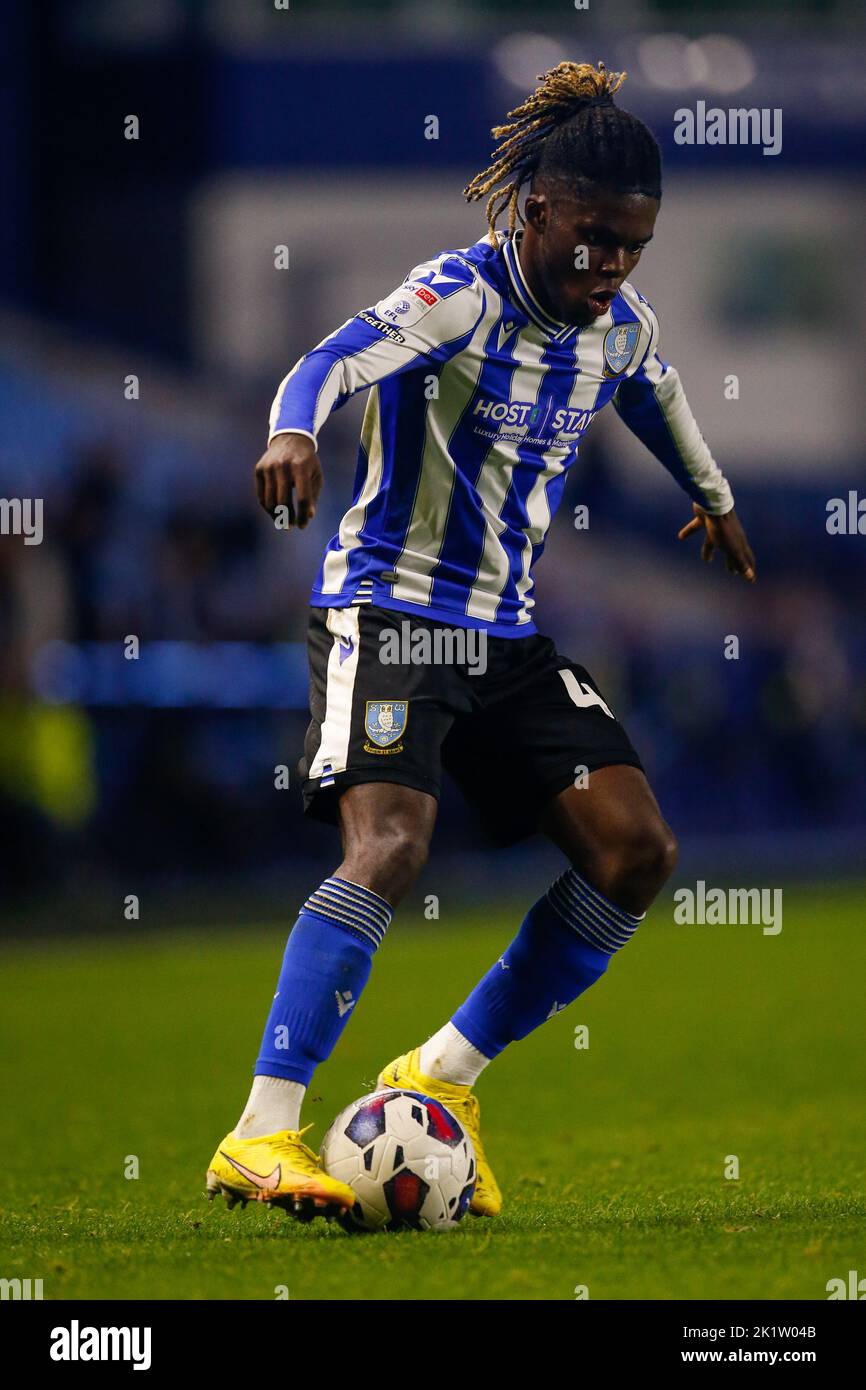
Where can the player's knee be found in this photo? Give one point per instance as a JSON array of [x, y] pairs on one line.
[[632, 869], [404, 856], [390, 862], [649, 854], [407, 854], [671, 854]]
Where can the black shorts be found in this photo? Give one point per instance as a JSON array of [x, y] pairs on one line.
[[395, 698]]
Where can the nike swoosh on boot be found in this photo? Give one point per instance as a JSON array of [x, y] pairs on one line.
[[267, 1184]]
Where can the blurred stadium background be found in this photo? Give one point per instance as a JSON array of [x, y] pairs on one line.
[[154, 258]]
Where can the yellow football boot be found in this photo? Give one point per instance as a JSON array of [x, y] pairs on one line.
[[404, 1074], [277, 1169]]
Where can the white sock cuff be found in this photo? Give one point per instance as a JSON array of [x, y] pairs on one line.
[[449, 1056]]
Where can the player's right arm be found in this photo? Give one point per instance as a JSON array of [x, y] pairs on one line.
[[428, 319]]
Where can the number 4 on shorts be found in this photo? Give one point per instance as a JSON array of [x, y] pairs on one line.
[[582, 694]]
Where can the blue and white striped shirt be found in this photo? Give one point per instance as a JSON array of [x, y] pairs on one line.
[[479, 400]]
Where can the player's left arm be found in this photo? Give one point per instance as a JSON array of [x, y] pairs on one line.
[[724, 533], [653, 404]]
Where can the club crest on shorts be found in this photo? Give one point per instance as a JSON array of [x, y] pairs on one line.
[[385, 721], [620, 343]]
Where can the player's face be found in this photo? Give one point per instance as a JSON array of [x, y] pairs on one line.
[[580, 249]]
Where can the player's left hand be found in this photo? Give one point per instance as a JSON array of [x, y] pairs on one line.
[[722, 533]]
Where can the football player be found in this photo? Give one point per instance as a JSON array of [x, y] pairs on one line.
[[485, 367]]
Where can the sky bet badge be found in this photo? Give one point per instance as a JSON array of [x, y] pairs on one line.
[[385, 721], [619, 347]]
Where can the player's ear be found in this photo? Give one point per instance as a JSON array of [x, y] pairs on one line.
[[536, 211]]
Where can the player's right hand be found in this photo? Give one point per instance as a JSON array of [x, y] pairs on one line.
[[289, 475]]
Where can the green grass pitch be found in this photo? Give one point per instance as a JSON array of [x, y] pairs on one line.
[[704, 1042]]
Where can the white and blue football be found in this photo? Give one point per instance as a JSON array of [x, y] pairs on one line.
[[407, 1159]]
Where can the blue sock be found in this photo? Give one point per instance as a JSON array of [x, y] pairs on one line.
[[327, 962], [563, 946]]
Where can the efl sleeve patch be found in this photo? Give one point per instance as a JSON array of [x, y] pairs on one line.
[[407, 305]]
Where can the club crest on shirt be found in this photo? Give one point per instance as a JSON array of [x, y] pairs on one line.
[[385, 721], [620, 343]]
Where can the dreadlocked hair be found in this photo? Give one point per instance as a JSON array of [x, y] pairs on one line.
[[569, 127]]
